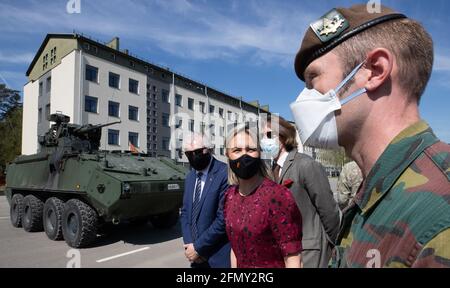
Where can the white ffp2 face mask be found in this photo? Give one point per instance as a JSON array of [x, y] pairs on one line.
[[314, 114]]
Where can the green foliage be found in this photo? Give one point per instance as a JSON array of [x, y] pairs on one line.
[[10, 126]]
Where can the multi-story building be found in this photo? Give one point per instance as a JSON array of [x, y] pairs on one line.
[[94, 82]]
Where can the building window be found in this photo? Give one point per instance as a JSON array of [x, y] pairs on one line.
[[179, 100], [133, 138], [221, 112], [45, 61], [113, 56], [40, 115], [191, 104], [230, 115], [113, 109], [164, 96], [178, 122], [53, 56], [86, 46], [155, 97], [155, 121], [155, 105], [90, 104], [191, 125], [95, 49], [114, 80], [133, 86], [113, 137], [202, 127], [47, 111], [132, 64], [92, 73], [165, 144], [154, 129], [211, 109], [221, 131], [165, 120], [133, 113], [41, 88], [154, 148], [202, 107], [154, 138], [155, 114], [48, 87], [222, 151]]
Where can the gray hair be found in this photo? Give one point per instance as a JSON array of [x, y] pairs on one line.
[[193, 141]]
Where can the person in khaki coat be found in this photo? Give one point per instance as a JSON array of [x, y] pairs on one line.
[[308, 183]]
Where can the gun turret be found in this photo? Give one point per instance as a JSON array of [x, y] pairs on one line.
[[72, 138], [89, 127]]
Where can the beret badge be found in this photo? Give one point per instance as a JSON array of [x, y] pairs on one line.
[[329, 26]]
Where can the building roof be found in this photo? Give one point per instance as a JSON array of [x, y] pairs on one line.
[[125, 53]]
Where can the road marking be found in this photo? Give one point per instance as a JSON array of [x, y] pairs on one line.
[[121, 255]]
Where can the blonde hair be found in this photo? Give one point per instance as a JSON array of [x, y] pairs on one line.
[[233, 179]]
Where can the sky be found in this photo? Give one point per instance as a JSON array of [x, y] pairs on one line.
[[245, 48]]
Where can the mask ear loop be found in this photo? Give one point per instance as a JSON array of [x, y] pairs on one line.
[[349, 76]]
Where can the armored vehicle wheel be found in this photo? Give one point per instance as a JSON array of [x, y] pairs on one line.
[[165, 220], [32, 214], [16, 210], [52, 217], [79, 224]]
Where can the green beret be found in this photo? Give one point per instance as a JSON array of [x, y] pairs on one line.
[[335, 27]]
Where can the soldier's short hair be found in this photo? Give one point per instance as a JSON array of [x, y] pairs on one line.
[[411, 45]]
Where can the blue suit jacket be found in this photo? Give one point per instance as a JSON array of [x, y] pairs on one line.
[[212, 243]]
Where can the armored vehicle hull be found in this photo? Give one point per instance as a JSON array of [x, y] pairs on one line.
[[70, 187], [85, 190]]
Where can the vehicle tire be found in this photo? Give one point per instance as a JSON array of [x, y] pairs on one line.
[[16, 210], [79, 224], [52, 218], [166, 220], [32, 214]]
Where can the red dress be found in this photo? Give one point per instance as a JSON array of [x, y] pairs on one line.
[[263, 227]]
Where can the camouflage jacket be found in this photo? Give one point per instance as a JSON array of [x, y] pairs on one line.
[[348, 184], [400, 217]]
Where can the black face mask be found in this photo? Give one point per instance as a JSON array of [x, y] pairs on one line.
[[198, 159], [245, 167]]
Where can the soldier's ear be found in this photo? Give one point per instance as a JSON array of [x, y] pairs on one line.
[[379, 66]]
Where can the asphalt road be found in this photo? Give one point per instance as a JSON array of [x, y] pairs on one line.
[[123, 246]]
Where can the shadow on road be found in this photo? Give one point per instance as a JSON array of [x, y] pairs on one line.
[[137, 234]]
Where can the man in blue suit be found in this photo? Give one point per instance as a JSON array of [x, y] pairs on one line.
[[202, 221]]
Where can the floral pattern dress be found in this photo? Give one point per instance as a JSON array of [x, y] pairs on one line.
[[263, 227]]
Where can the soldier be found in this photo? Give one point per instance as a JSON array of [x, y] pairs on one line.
[[364, 74], [348, 184]]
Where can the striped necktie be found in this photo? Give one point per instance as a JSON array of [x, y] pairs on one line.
[[196, 205]]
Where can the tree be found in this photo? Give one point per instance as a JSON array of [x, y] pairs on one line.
[[10, 127]]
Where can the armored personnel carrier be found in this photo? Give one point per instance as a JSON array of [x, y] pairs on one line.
[[70, 187]]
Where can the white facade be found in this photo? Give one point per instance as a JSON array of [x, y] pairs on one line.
[[104, 94], [30, 118], [79, 86]]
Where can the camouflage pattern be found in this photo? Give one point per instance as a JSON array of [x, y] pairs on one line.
[[401, 215], [348, 184]]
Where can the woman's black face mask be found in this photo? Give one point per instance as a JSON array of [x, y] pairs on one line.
[[199, 159], [245, 167]]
